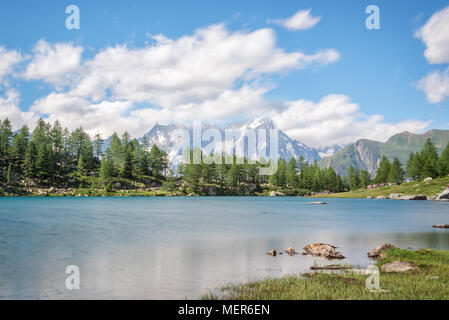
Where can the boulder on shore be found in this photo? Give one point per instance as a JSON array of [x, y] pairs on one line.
[[322, 250], [290, 250], [441, 226], [381, 197], [272, 253], [377, 250], [413, 197], [397, 266], [370, 197], [428, 179], [276, 194], [395, 196], [443, 195]]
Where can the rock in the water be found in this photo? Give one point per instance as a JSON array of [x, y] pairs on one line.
[[212, 192], [290, 250], [397, 266], [272, 253], [441, 226], [377, 250], [370, 197], [317, 202], [322, 250], [443, 195], [395, 196], [413, 197], [381, 197], [276, 194]]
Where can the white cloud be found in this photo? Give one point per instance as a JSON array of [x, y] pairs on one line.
[[8, 59], [435, 85], [435, 35], [9, 108], [301, 20], [211, 74], [54, 63], [337, 120]]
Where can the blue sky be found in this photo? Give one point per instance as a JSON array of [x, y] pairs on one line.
[[373, 82]]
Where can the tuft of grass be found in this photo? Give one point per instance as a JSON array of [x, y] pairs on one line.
[[429, 281]]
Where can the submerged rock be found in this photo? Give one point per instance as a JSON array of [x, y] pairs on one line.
[[441, 226], [377, 250], [322, 250], [317, 202], [290, 250], [397, 266]]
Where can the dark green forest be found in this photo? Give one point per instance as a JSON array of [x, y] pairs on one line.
[[52, 156]]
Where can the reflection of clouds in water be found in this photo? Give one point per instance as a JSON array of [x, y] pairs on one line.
[[150, 248]]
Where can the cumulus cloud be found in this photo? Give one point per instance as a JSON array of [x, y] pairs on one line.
[[211, 74], [435, 35], [9, 108], [8, 59], [53, 63], [301, 20], [435, 85], [335, 119]]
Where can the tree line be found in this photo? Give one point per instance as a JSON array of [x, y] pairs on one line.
[[51, 155], [420, 165]]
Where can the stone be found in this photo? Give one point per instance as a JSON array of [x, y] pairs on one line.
[[272, 253], [212, 192], [395, 196], [377, 250], [276, 194], [428, 179], [413, 197], [117, 185], [317, 202], [381, 197], [370, 197], [397, 266], [290, 250], [441, 226], [322, 250], [443, 195]]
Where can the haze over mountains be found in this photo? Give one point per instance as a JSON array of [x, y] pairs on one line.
[[364, 153]]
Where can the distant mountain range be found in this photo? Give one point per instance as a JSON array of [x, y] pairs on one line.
[[365, 154], [288, 148]]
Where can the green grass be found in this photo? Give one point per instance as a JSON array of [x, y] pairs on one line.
[[431, 188], [415, 284]]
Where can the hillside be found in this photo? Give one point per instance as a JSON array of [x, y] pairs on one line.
[[365, 154], [431, 188]]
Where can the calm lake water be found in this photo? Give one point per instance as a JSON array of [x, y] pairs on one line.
[[172, 248]]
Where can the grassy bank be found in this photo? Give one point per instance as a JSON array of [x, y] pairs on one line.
[[429, 281], [430, 188]]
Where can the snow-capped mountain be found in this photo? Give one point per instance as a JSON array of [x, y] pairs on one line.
[[161, 135], [329, 150]]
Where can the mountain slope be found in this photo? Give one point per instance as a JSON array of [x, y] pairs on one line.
[[288, 148], [365, 154]]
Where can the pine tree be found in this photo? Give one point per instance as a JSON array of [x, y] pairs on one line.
[[5, 137], [365, 178], [429, 156], [443, 163], [292, 177], [383, 171], [29, 164], [396, 174], [98, 145]]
